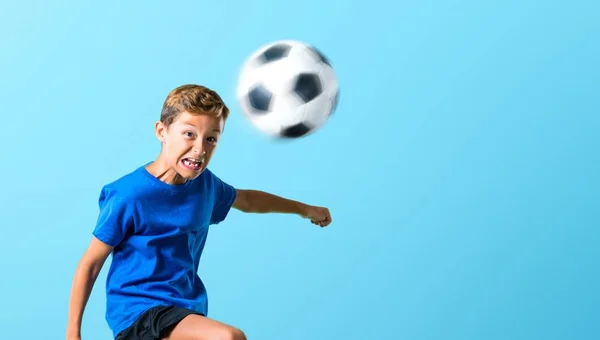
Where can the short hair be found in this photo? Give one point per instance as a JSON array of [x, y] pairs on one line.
[[195, 99]]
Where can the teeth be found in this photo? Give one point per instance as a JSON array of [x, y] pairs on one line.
[[192, 162]]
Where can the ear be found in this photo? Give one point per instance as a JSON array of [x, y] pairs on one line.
[[160, 130]]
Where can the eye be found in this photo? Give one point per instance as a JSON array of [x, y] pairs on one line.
[[212, 139], [189, 134]]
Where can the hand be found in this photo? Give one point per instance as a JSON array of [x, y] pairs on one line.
[[318, 215]]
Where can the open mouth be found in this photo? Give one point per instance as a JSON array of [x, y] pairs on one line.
[[192, 164]]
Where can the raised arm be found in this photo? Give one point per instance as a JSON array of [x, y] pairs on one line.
[[256, 201]]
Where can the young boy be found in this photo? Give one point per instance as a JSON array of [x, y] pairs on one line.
[[154, 221]]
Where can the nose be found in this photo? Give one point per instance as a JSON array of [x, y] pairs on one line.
[[198, 149]]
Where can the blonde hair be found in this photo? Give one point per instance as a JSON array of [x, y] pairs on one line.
[[195, 99]]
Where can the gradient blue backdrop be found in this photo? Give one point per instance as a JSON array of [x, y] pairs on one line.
[[461, 167]]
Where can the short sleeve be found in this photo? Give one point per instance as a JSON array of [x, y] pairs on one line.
[[114, 218], [224, 197]]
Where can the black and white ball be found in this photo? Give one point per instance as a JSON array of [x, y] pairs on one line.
[[287, 89]]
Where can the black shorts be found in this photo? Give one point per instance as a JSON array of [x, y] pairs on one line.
[[155, 323]]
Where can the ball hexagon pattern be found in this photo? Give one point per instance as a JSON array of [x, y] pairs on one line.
[[287, 89]]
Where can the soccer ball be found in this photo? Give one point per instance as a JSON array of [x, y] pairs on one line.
[[287, 89]]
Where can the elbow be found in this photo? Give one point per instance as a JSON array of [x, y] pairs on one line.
[[90, 268]]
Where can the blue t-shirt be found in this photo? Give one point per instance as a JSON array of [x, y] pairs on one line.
[[158, 232]]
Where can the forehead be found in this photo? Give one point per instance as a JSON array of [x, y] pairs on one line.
[[200, 121]]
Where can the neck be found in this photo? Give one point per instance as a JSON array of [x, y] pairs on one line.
[[161, 169]]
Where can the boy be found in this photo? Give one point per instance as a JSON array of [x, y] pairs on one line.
[[154, 221]]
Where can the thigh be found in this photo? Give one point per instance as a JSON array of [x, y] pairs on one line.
[[198, 327]]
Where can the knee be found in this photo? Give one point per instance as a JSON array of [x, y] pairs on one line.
[[232, 333], [238, 334]]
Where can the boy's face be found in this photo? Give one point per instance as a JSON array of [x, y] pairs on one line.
[[189, 143]]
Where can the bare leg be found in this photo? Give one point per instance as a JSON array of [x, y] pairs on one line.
[[198, 327]]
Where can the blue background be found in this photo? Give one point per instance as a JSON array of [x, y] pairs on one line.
[[461, 167]]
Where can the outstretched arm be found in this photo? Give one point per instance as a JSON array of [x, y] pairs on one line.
[[256, 201]]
